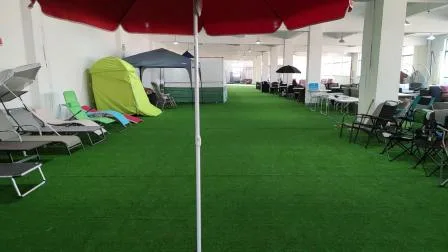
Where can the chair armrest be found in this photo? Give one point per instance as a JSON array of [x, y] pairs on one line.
[[13, 131]]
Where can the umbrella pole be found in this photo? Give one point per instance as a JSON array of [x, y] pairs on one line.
[[197, 133]]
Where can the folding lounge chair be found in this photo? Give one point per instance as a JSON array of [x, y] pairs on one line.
[[163, 99], [132, 119], [17, 170], [71, 102], [22, 147], [24, 117], [9, 133], [46, 117]]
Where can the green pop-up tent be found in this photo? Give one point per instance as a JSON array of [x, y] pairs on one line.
[[116, 86]]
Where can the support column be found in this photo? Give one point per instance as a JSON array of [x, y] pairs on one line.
[[314, 59], [265, 71], [381, 52], [274, 63], [288, 59], [257, 68], [289, 53], [354, 67]]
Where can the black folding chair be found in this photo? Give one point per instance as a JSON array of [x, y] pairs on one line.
[[405, 137], [375, 125], [431, 146]]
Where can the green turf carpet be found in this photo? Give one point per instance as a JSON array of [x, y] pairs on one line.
[[276, 178]]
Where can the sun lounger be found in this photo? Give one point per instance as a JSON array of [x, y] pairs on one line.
[[73, 105], [17, 170], [9, 134], [132, 119], [22, 147], [71, 102], [24, 117]]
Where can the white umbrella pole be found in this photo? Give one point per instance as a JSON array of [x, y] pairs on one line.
[[197, 123]]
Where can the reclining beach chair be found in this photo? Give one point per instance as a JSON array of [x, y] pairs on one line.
[[163, 99], [24, 117], [71, 101], [131, 118], [46, 117], [9, 133], [17, 170]]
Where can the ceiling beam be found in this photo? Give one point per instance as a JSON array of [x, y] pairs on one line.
[[416, 8]]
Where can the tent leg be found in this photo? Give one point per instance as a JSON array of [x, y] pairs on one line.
[[197, 130]]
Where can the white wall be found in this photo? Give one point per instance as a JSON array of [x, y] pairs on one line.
[[65, 50], [70, 56], [12, 52]]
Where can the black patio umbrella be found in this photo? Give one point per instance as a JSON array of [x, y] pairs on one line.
[[288, 69]]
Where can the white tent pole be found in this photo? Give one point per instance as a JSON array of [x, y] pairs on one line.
[[197, 129]]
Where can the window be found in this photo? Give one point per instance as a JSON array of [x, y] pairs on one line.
[[300, 61], [337, 68], [443, 69], [407, 60]]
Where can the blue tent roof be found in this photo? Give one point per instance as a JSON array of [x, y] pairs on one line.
[[159, 58], [188, 54]]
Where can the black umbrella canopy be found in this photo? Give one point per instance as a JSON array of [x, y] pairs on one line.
[[288, 69]]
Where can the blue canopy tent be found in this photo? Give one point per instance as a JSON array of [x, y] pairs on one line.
[[161, 58]]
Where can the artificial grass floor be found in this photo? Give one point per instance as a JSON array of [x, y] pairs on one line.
[[276, 177]]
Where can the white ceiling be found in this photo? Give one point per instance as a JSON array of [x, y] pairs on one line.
[[422, 22]]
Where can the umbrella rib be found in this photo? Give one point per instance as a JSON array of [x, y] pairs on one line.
[[127, 12]]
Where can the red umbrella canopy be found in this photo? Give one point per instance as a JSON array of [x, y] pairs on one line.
[[218, 17]]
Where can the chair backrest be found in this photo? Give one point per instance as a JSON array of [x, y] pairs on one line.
[[72, 103], [25, 118], [378, 112], [313, 87], [157, 90], [427, 119], [388, 111], [5, 125], [436, 92], [425, 102], [415, 86], [441, 116]]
